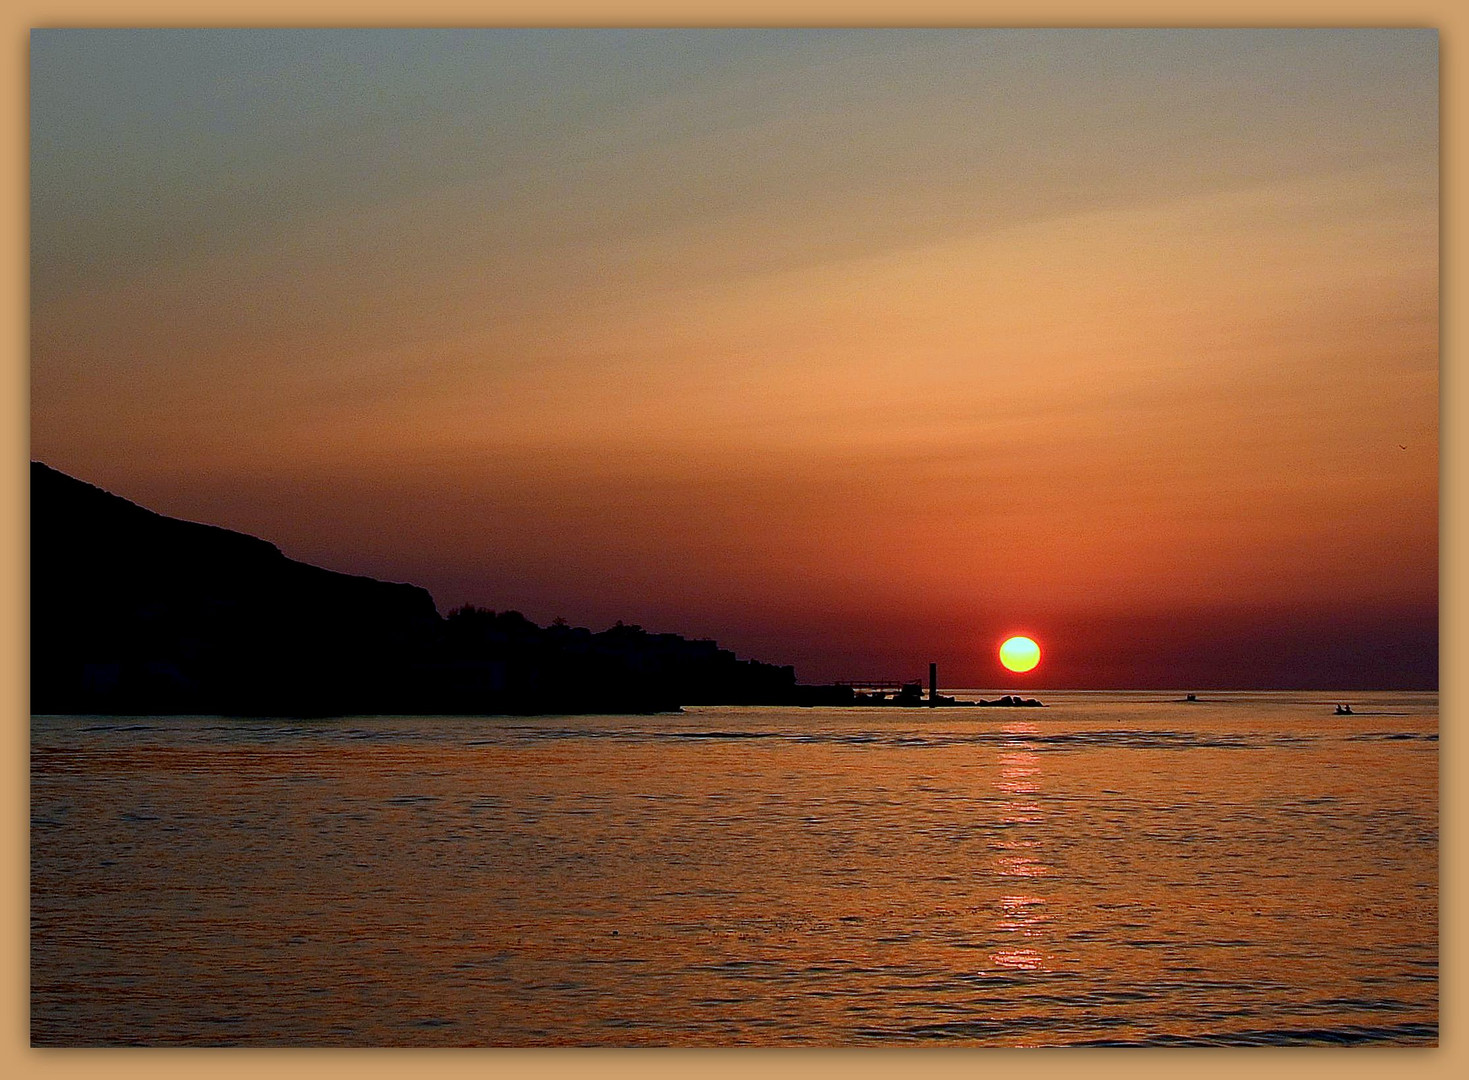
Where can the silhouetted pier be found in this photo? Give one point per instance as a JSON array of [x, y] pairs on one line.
[[910, 692]]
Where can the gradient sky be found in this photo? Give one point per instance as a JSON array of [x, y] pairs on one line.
[[853, 350]]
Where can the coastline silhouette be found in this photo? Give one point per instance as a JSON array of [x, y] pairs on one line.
[[134, 612]]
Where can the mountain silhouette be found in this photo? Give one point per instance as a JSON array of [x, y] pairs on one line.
[[133, 612]]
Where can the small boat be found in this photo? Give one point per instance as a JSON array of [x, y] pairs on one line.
[[1344, 710]]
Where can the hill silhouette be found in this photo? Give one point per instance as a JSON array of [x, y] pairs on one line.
[[133, 612]]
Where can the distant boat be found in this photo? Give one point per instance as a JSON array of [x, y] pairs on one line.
[[1344, 710]]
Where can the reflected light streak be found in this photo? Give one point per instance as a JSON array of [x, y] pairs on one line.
[[1020, 913]]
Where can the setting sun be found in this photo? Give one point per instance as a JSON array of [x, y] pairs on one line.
[[1020, 654]]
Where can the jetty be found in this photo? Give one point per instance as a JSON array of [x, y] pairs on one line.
[[906, 693]]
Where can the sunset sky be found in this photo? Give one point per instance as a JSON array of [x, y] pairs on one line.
[[853, 350]]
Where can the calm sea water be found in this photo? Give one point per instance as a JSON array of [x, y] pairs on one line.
[[1116, 868]]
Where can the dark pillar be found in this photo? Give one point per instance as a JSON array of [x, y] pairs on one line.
[[933, 684]]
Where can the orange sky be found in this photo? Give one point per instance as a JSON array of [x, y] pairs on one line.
[[851, 350]]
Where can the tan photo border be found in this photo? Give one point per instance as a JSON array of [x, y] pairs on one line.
[[19, 1060]]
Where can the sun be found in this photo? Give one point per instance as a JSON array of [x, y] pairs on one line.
[[1020, 654]]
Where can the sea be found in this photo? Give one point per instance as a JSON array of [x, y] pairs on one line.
[[1113, 869]]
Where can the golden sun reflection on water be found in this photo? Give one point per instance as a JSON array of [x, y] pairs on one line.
[[1021, 959], [1017, 855]]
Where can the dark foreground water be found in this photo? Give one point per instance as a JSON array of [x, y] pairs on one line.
[[1117, 868]]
